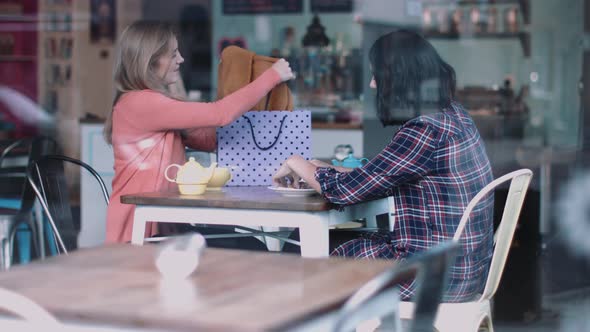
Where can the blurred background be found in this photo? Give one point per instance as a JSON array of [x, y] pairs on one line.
[[523, 72]]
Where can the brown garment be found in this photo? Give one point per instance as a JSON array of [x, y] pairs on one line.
[[238, 67]]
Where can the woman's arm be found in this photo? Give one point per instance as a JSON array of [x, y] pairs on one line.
[[409, 156], [320, 163], [202, 139], [152, 111], [148, 110], [296, 168]]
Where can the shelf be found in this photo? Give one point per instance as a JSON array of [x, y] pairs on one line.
[[523, 4], [4, 18], [524, 37], [57, 60], [54, 6], [336, 125], [494, 35], [58, 32], [470, 2], [17, 58]]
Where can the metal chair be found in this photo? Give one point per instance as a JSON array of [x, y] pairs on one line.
[[374, 299], [476, 315], [47, 179], [11, 218]]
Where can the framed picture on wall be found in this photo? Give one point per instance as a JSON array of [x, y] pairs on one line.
[[252, 7], [102, 20], [332, 6]]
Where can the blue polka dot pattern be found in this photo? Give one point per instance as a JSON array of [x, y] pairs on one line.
[[252, 166]]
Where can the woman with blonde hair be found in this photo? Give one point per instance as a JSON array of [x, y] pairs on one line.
[[149, 126]]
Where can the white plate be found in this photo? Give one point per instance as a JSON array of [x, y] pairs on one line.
[[292, 192]]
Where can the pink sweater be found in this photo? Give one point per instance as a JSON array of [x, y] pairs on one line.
[[146, 140]]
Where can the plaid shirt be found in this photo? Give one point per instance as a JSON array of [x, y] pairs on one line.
[[434, 165]]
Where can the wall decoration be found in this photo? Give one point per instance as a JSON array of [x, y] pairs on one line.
[[332, 6], [102, 20], [227, 41], [234, 7]]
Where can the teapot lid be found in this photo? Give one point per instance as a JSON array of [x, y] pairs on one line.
[[191, 172], [350, 158], [192, 163]]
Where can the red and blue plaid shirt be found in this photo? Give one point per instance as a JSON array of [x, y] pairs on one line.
[[434, 165]]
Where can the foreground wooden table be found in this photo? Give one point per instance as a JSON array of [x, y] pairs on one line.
[[231, 290], [251, 207]]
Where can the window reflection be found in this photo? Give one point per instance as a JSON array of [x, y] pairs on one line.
[[523, 74]]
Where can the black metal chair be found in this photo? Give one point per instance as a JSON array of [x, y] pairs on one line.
[[48, 181], [430, 271], [11, 218]]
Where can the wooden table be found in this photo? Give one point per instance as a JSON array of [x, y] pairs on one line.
[[231, 290], [252, 207]]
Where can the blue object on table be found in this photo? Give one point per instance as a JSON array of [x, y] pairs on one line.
[[350, 162]]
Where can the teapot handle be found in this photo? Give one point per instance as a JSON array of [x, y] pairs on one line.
[[363, 161], [166, 172]]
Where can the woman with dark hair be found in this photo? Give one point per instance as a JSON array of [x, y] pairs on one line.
[[433, 166]]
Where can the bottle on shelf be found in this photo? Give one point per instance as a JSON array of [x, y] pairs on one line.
[[457, 22], [511, 20], [492, 26]]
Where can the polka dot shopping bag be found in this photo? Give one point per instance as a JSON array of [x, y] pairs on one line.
[[255, 145]]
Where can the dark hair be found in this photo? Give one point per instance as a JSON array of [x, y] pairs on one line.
[[410, 76]]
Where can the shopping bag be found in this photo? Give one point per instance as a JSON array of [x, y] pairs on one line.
[[255, 145]]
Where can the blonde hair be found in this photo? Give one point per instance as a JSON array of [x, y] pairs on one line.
[[140, 46]]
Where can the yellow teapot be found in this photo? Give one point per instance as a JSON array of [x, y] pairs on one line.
[[191, 177], [220, 177]]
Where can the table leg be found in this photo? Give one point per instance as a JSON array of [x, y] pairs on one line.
[[139, 223], [314, 238], [271, 243], [6, 254], [545, 179]]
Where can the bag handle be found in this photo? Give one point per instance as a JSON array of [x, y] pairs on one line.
[[254, 138], [268, 95]]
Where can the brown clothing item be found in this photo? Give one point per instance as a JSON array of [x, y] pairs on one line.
[[238, 67]]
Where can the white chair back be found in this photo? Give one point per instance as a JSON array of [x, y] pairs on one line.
[[379, 296], [23, 307], [519, 184]]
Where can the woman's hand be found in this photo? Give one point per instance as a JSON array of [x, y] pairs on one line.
[[320, 163], [283, 69], [293, 171], [285, 177]]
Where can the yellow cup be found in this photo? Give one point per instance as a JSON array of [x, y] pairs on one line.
[[221, 176]]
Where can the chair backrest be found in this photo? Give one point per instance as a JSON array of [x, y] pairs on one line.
[[23, 307], [519, 184], [44, 144], [430, 270], [37, 147], [47, 179]]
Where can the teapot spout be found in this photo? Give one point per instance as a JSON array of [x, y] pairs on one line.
[[210, 170]]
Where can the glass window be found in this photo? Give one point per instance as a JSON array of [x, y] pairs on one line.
[[521, 73]]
